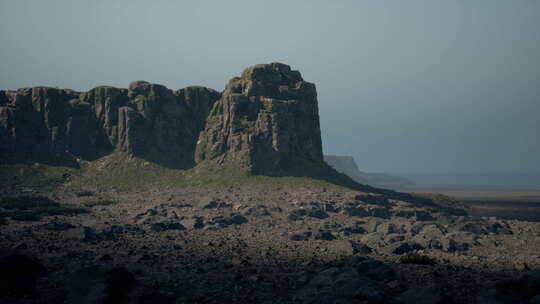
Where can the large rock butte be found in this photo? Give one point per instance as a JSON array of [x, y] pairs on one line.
[[265, 121]]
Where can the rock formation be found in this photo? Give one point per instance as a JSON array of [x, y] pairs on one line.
[[265, 121], [347, 165], [147, 120]]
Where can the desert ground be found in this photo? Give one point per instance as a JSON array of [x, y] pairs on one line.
[[521, 203], [279, 241]]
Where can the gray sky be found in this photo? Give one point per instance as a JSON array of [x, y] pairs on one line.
[[404, 86]]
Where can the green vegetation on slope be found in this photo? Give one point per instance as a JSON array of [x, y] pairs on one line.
[[34, 175], [32, 208], [120, 171]]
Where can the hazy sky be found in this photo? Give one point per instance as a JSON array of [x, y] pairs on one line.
[[404, 86]]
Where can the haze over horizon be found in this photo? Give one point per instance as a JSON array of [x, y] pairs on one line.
[[417, 86]]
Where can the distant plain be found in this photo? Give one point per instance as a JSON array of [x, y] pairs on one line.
[[506, 202]]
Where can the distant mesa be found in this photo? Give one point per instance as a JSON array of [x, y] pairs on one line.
[[347, 165]]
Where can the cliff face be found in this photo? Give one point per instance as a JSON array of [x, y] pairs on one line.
[[147, 120], [39, 123], [267, 120]]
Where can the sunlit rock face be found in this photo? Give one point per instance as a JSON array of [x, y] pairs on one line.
[[267, 121]]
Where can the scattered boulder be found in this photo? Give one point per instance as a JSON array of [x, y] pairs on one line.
[[223, 222], [360, 248], [301, 236], [331, 207], [373, 199], [430, 236], [479, 226], [160, 218], [458, 241], [213, 204], [297, 215], [56, 225], [419, 215], [158, 214], [380, 212], [394, 238], [404, 248], [258, 210], [316, 212], [324, 235], [195, 222], [390, 228], [158, 227], [83, 234], [373, 226], [356, 228], [356, 211]]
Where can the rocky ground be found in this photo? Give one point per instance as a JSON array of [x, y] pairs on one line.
[[264, 244]]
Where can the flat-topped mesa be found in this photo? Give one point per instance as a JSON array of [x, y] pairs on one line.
[[57, 126], [266, 121]]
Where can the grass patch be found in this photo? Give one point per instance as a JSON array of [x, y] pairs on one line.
[[104, 202], [417, 259], [120, 171], [33, 208], [41, 176], [130, 173]]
